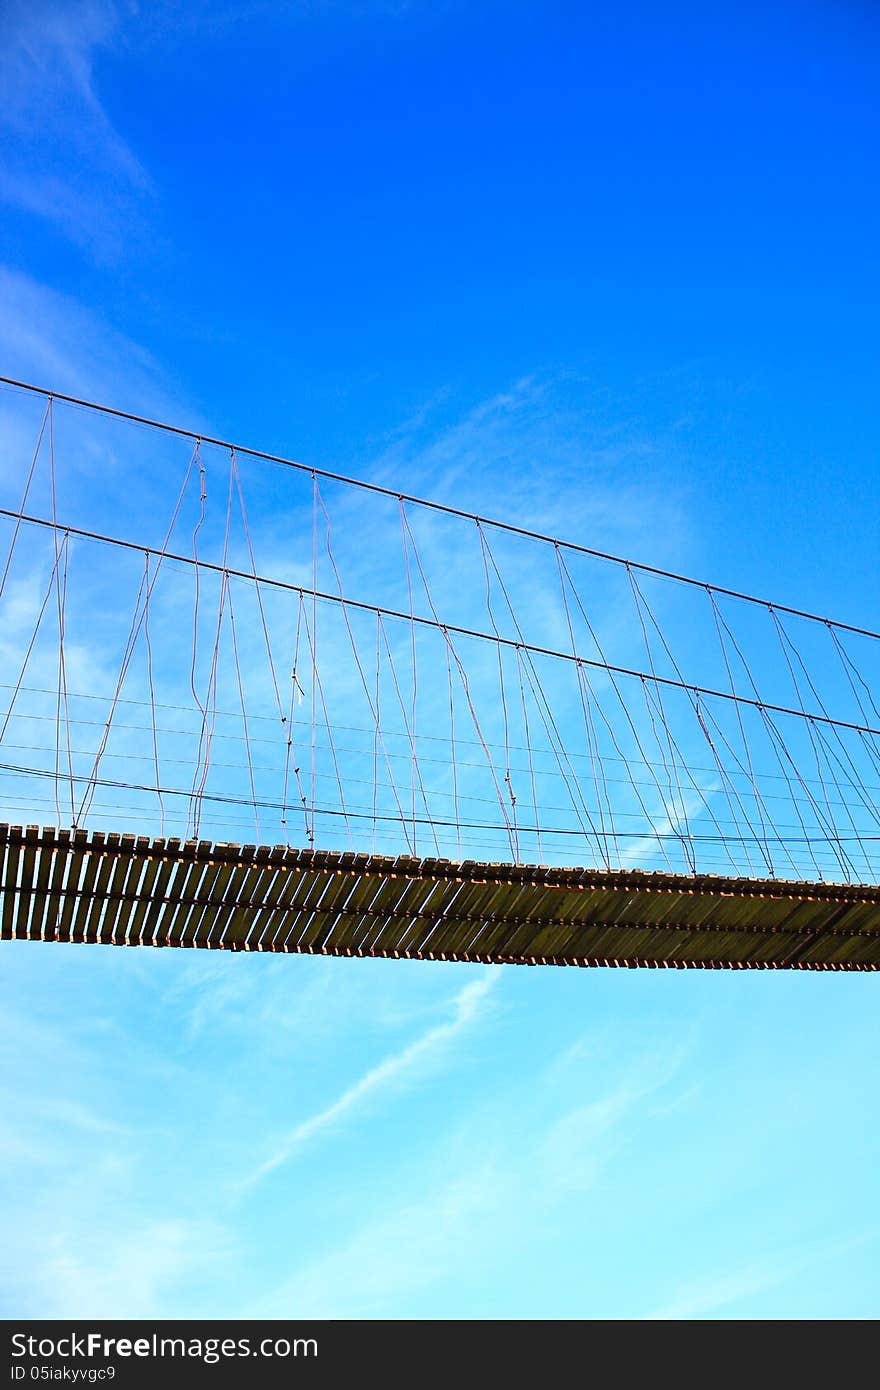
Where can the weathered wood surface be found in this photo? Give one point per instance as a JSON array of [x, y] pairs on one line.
[[58, 885]]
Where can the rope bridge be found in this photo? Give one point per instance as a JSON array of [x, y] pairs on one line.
[[72, 886], [424, 718]]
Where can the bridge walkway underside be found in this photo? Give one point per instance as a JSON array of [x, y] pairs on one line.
[[122, 890]]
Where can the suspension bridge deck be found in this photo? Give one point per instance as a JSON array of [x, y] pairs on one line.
[[122, 890]]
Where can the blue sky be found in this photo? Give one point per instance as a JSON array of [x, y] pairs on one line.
[[611, 275]]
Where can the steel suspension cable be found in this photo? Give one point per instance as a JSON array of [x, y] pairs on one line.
[[456, 628], [278, 459]]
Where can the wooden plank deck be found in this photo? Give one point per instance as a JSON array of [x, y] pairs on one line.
[[125, 891]]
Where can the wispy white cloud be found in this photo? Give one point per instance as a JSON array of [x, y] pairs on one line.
[[668, 823], [529, 1152], [567, 458], [84, 179], [467, 1007], [126, 1270], [50, 338], [395, 1255], [66, 161], [700, 1300], [720, 1291]]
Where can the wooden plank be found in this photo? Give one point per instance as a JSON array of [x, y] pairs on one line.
[[253, 891], [36, 928], [27, 884], [308, 927], [146, 887], [290, 918], [212, 893], [330, 928], [100, 901], [124, 891], [132, 861], [61, 858], [311, 925], [76, 867], [10, 881], [275, 880], [232, 927], [93, 858], [152, 933], [185, 930], [275, 925], [4, 851], [413, 905], [186, 892]]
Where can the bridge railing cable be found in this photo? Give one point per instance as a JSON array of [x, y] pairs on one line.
[[509, 702]]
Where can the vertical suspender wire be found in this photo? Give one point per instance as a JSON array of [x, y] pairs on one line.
[[759, 803], [587, 697], [665, 722], [452, 750], [557, 747], [265, 626], [525, 714], [742, 839], [63, 666], [857, 786], [412, 635], [244, 718], [704, 718], [203, 498], [409, 734], [850, 666], [60, 603], [263, 623], [855, 778], [600, 782], [409, 540], [313, 647], [851, 773], [136, 624], [462, 674], [149, 646], [780, 747], [24, 496], [780, 752], [378, 715], [507, 781], [727, 784], [674, 814], [57, 749], [358, 663], [656, 835], [209, 710], [320, 689], [92, 783], [850, 669], [206, 736], [549, 722], [557, 743], [830, 827], [7, 566], [27, 656], [788, 647], [289, 753], [783, 756]]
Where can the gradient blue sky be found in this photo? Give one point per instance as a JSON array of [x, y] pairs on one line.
[[628, 256]]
